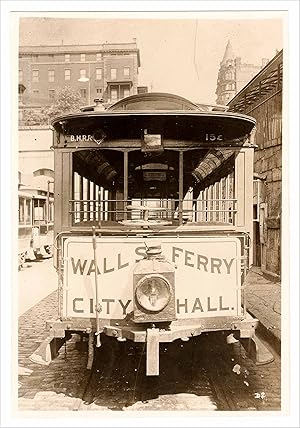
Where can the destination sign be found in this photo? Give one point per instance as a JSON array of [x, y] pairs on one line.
[[207, 275]]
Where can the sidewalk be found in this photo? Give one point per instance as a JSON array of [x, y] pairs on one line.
[[264, 303]]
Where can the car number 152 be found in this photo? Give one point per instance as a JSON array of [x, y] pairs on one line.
[[213, 137]]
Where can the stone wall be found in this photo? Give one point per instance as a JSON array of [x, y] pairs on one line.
[[268, 164]]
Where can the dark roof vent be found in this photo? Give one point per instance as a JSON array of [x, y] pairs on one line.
[[99, 104]]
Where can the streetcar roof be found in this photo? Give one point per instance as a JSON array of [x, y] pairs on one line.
[[151, 104], [23, 194], [132, 113], [127, 127]]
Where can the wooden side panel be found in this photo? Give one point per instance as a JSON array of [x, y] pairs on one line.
[[62, 189], [58, 159], [244, 189]]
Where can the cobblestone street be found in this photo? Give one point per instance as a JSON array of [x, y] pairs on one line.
[[202, 374]]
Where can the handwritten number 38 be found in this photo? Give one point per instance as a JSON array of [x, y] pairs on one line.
[[260, 395]]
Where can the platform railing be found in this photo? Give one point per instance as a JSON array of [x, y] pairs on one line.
[[116, 210]]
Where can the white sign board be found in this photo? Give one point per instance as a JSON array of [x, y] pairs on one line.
[[207, 275]]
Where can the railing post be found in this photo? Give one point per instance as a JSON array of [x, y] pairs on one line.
[[81, 198], [180, 206], [125, 184], [88, 196]]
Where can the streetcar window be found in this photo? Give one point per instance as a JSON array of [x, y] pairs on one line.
[[21, 210], [39, 212], [151, 187], [28, 211]]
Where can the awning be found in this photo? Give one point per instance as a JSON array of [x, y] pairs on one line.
[[119, 82]]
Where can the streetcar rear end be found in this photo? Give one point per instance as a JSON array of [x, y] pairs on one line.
[[35, 228], [153, 224], [25, 237]]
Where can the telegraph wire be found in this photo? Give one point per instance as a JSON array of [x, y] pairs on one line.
[[195, 43]]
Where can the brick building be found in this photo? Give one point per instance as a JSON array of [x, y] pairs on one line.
[[262, 99], [108, 71], [234, 75]]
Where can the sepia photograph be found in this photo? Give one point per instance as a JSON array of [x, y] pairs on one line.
[[150, 205]]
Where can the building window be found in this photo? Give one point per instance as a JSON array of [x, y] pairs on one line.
[[126, 71], [98, 91], [98, 57], [20, 75], [35, 92], [126, 92], [50, 75], [229, 75], [230, 87], [67, 74], [67, 57], [35, 76], [34, 58], [82, 73], [113, 94], [51, 94], [113, 73], [83, 93], [82, 57], [98, 73]]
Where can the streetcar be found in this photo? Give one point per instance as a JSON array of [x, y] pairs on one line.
[[35, 224], [153, 225]]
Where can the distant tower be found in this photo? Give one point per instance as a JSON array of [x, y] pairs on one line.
[[226, 77], [233, 75]]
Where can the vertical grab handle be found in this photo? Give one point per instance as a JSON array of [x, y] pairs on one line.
[[97, 306]]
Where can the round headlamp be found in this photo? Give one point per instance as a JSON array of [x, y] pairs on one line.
[[153, 293]]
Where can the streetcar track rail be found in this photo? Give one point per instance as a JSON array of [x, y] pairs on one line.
[[201, 367]]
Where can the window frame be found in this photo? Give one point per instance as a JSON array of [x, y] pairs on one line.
[[99, 71], [113, 76], [35, 77], [126, 74], [65, 74], [83, 91], [114, 90], [51, 91], [51, 75], [82, 74]]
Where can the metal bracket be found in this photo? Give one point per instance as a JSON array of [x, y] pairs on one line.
[[257, 350], [152, 352]]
